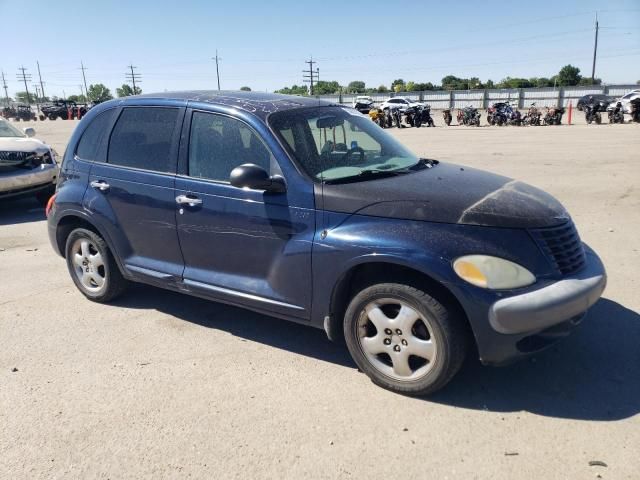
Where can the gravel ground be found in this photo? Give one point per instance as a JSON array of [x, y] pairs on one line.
[[159, 385]]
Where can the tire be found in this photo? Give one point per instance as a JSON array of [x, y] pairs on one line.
[[79, 252], [436, 332], [598, 118]]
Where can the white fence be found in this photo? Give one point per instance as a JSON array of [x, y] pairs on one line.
[[522, 97]]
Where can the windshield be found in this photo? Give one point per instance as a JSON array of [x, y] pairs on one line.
[[333, 143], [8, 130]]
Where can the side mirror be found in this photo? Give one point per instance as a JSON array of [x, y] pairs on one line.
[[256, 178], [29, 132]]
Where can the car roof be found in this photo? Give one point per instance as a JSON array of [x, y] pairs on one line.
[[259, 104]]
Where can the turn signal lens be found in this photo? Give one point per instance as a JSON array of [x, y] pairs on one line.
[[49, 206], [492, 272]]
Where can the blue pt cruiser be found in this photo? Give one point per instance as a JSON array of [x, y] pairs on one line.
[[308, 211]]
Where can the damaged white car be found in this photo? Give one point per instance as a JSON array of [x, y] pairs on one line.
[[27, 166]]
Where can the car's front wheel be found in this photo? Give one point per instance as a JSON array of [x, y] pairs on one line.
[[404, 339], [92, 266]]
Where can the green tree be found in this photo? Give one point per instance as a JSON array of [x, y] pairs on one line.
[[77, 98], [451, 82], [99, 93], [421, 87], [357, 86], [326, 88], [398, 85], [22, 97], [514, 83], [489, 84], [587, 81], [411, 87], [568, 76], [294, 90], [245, 89], [382, 89], [127, 91]]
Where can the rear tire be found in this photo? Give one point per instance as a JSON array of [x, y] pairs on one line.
[[405, 340], [92, 266]]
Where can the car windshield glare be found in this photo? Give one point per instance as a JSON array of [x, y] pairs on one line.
[[333, 143], [8, 130]]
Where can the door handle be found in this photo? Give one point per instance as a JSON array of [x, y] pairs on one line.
[[189, 200], [100, 185]]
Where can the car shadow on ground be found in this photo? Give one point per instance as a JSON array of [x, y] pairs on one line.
[[23, 210], [592, 375]]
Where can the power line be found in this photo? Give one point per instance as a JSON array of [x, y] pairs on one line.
[[25, 77], [84, 78], [216, 58], [4, 85], [308, 75], [40, 77], [133, 77]]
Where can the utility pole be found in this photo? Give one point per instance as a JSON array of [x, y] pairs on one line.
[[133, 77], [84, 79], [4, 85], [309, 75], [216, 58], [40, 77], [595, 50], [25, 77], [35, 85]]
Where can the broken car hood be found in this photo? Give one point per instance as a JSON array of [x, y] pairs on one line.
[[448, 193], [21, 144]]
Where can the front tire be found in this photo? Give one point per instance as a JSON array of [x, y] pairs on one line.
[[404, 339], [92, 266]]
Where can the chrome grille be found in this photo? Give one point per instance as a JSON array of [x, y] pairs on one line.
[[563, 246], [20, 159]]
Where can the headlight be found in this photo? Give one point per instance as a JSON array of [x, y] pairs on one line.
[[492, 272]]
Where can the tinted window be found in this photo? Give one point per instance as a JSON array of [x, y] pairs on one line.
[[218, 144], [92, 136], [142, 138]]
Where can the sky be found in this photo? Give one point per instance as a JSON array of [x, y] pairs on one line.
[[264, 44]]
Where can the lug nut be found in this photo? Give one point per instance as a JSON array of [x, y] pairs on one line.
[[398, 331], [387, 341], [404, 342], [396, 348], [388, 331]]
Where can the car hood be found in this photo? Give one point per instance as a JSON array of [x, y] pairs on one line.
[[21, 144], [448, 193]]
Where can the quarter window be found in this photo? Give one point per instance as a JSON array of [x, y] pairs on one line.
[[218, 144], [92, 136], [142, 138]]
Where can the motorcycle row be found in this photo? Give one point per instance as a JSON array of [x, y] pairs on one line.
[[500, 114], [414, 116]]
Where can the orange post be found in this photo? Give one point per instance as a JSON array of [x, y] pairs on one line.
[[570, 111]]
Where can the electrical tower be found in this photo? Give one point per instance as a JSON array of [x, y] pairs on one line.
[[41, 82], [133, 77], [84, 79], [25, 77], [308, 76], [4, 85], [217, 59]]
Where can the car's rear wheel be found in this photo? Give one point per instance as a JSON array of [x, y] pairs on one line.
[[404, 339], [92, 266]]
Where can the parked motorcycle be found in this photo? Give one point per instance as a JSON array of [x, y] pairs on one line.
[[616, 115], [499, 113], [423, 116], [395, 117], [469, 116], [446, 116], [515, 118], [532, 117], [592, 113], [635, 110], [378, 116], [553, 116], [412, 116]]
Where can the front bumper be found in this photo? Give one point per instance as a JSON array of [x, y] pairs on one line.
[[508, 328], [28, 181]]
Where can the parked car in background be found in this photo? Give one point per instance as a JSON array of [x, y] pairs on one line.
[[64, 109], [19, 112], [599, 98], [625, 100], [401, 102], [302, 209], [27, 166], [363, 104]]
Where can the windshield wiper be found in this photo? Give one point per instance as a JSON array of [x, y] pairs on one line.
[[367, 174]]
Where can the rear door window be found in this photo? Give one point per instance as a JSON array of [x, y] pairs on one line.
[[142, 138], [89, 144]]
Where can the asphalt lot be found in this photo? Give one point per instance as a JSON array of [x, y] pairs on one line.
[[163, 385]]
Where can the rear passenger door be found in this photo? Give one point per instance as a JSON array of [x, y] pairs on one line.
[[132, 192]]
